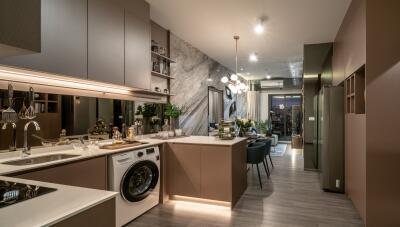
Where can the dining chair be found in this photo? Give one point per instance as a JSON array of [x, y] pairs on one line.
[[255, 156]]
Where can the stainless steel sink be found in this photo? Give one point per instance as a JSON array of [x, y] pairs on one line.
[[40, 159]]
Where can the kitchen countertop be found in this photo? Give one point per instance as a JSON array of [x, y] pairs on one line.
[[207, 140], [53, 207]]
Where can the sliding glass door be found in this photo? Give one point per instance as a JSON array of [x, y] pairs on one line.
[[285, 115]]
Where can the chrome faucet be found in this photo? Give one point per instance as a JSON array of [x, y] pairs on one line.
[[27, 150], [13, 145]]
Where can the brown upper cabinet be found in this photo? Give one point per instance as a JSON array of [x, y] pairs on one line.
[[102, 40], [106, 41], [25, 17], [137, 44], [63, 40]]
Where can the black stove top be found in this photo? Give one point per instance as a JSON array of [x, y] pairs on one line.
[[11, 192]]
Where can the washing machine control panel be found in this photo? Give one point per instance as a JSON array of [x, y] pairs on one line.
[[150, 151], [140, 154]]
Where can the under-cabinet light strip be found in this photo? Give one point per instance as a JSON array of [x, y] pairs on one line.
[[39, 78]]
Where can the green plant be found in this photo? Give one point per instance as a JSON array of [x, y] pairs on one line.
[[149, 110], [139, 110], [172, 111], [262, 127], [244, 125]]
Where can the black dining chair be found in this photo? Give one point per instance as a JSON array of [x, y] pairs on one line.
[[255, 155], [268, 150]]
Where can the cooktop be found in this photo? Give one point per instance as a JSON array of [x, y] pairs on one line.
[[12, 193]]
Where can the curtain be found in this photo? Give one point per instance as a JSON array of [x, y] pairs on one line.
[[253, 105]]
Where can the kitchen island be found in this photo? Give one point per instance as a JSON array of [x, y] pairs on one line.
[[206, 169]]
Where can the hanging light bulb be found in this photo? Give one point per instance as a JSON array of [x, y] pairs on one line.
[[224, 79], [234, 77]]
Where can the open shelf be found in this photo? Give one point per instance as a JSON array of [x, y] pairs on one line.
[[154, 73], [355, 92], [162, 57]]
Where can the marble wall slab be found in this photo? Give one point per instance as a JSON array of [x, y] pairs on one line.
[[190, 87]]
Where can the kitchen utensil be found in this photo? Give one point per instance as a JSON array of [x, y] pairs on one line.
[[9, 115], [30, 112], [23, 110]]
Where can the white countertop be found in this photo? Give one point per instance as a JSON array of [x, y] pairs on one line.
[[83, 154], [207, 140], [53, 207]]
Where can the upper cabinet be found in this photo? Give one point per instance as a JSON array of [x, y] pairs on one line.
[[64, 40], [137, 44], [106, 41], [101, 40], [25, 18]]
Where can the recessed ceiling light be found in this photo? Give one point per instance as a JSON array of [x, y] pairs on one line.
[[259, 28], [268, 77], [253, 57]]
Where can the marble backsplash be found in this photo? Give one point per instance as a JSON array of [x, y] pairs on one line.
[[190, 86]]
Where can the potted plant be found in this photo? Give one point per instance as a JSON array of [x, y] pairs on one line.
[[173, 112], [244, 126], [148, 112]]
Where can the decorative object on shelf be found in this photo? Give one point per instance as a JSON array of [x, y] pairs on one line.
[[156, 66], [244, 126], [165, 69], [234, 84], [154, 46], [228, 92], [162, 50], [157, 89], [232, 109], [166, 91], [165, 129], [226, 130]]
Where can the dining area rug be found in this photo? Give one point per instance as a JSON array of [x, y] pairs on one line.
[[279, 150]]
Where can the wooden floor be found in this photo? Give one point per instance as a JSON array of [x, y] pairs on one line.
[[291, 197]]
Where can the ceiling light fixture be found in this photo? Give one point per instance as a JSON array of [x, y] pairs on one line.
[[235, 85], [259, 28], [268, 77], [253, 57]]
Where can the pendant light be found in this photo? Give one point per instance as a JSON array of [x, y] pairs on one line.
[[235, 84]]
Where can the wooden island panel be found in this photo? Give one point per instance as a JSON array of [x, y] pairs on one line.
[[209, 172]]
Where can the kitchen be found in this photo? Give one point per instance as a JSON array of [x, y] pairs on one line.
[[198, 113], [97, 106]]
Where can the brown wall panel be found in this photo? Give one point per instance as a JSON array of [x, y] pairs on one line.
[[383, 111], [349, 52]]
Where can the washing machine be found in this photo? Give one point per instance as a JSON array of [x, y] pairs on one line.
[[136, 176]]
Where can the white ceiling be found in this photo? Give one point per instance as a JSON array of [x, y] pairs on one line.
[[210, 25]]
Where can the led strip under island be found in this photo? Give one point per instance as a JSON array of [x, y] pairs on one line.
[[52, 83]]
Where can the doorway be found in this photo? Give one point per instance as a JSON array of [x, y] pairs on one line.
[[286, 115]]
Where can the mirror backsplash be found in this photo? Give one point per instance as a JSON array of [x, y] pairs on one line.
[[78, 116]]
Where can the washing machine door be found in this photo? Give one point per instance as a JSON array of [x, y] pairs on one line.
[[139, 180]]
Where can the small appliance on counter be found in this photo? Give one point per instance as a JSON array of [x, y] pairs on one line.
[[226, 130], [11, 192]]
